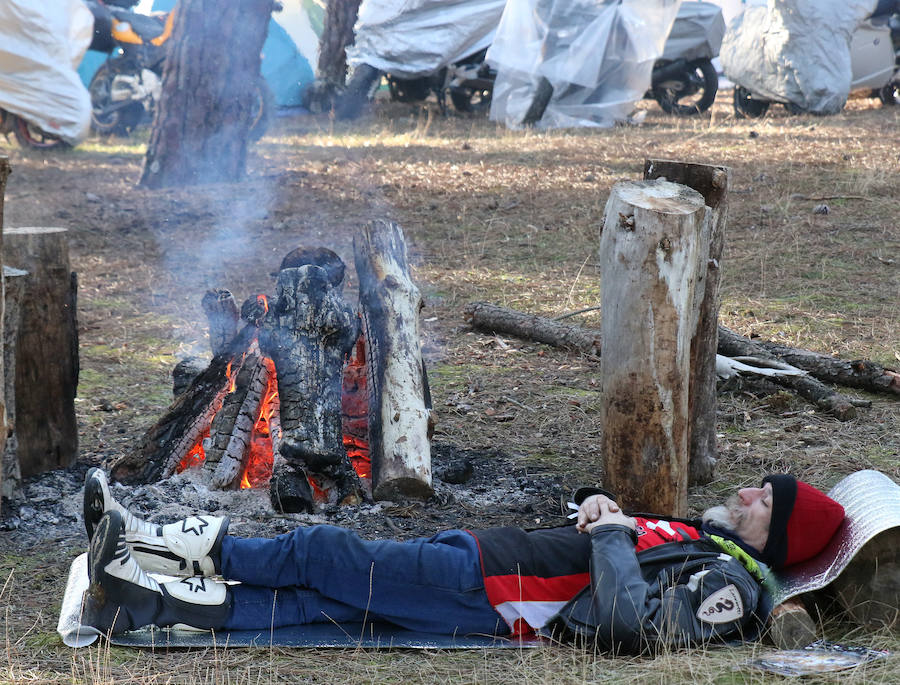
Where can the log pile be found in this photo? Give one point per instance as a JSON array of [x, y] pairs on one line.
[[295, 397]]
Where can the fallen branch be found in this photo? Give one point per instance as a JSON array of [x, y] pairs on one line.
[[858, 373], [862, 374]]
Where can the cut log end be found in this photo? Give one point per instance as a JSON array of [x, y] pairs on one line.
[[660, 196], [791, 626]]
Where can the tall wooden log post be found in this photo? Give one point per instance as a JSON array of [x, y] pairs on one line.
[[4, 173], [649, 260], [46, 350], [712, 183], [399, 401], [14, 284]]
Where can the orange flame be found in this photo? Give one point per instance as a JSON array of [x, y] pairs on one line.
[[258, 463], [264, 301]]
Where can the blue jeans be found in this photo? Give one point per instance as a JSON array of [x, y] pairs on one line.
[[325, 573]]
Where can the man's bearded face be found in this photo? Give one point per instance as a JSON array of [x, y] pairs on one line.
[[728, 516]]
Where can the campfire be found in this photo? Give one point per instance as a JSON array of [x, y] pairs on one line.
[[304, 395]]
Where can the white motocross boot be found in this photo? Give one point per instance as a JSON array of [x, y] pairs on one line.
[[189, 547], [121, 596]]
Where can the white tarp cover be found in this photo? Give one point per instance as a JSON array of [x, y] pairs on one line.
[[417, 37], [795, 51], [597, 54], [697, 32], [41, 45]]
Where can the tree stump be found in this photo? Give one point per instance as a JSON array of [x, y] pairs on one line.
[[399, 402], [46, 350], [712, 183], [14, 283], [649, 261]]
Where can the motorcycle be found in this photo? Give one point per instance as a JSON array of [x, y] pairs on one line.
[[42, 101], [874, 65], [442, 51], [126, 89], [683, 80]]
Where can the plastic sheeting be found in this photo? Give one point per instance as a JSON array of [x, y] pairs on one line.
[[795, 51], [597, 54], [41, 44], [697, 32], [416, 38]]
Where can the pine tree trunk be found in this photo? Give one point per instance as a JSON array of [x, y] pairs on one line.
[[202, 123], [337, 34]]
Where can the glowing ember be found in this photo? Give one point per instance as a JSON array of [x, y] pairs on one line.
[[258, 459], [195, 457], [264, 301]]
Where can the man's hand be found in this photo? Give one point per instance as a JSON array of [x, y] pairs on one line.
[[598, 510]]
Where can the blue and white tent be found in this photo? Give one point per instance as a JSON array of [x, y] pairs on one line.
[[289, 54]]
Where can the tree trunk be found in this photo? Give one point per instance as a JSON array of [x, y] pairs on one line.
[[4, 421], [337, 34], [46, 350], [649, 259], [712, 183], [14, 283], [203, 120], [399, 402]]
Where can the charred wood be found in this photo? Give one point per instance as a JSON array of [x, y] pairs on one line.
[[222, 314], [398, 407], [184, 374], [232, 427], [169, 440], [307, 331]]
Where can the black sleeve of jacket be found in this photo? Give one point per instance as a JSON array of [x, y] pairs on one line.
[[679, 607]]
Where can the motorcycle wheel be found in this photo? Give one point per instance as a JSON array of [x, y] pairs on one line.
[[32, 136], [360, 89], [408, 90], [890, 94], [693, 93], [470, 99], [263, 104], [117, 122], [746, 106]]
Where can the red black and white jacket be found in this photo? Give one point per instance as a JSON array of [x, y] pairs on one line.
[[529, 576]]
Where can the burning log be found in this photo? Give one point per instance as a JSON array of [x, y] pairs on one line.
[[307, 331], [399, 402], [222, 314], [170, 441], [649, 257], [46, 350], [232, 427], [712, 183]]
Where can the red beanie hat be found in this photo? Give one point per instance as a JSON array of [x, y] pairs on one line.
[[804, 520]]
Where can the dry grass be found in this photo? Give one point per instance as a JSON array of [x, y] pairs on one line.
[[510, 217]]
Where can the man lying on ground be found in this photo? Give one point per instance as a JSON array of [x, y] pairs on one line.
[[624, 583]]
